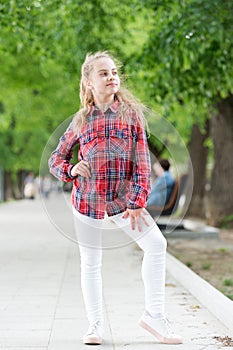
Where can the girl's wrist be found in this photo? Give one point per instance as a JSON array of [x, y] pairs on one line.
[[70, 172]]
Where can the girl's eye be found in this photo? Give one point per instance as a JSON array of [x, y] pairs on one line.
[[105, 74]]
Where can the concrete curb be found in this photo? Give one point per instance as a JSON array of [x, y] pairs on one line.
[[178, 228], [219, 305], [184, 234]]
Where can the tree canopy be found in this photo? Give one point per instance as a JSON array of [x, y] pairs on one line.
[[177, 54], [188, 56], [42, 46]]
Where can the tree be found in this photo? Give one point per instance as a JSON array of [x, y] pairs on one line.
[[188, 60], [42, 46]]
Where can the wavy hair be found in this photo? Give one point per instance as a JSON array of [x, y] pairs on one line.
[[128, 104]]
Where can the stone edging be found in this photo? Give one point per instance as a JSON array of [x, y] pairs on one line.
[[219, 305]]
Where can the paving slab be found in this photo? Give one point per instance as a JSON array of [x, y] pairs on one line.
[[41, 305]]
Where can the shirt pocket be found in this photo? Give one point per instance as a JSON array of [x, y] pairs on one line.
[[119, 141], [89, 144]]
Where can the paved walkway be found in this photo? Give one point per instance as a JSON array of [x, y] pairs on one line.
[[41, 305]]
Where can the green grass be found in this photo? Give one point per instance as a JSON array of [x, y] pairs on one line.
[[189, 263], [228, 282], [227, 222], [223, 250], [206, 266], [230, 296]]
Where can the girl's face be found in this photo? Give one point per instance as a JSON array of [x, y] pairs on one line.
[[104, 80]]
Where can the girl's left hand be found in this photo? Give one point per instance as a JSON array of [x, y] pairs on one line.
[[136, 215]]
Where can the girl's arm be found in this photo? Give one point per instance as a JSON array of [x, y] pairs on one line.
[[60, 161], [140, 184]]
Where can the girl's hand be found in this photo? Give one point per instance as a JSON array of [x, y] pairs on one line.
[[81, 168], [136, 215]]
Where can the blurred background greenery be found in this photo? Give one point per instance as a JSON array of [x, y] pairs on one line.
[[177, 58]]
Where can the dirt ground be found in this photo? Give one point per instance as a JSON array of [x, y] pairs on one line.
[[212, 259]]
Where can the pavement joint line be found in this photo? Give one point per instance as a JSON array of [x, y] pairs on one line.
[[59, 294], [109, 322]]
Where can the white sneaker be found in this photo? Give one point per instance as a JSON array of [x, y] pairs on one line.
[[160, 328], [94, 334]]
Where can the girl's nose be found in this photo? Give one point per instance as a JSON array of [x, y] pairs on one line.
[[110, 77]]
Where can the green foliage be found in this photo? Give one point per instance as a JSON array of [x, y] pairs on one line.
[[64, 30], [178, 56], [42, 46], [33, 104], [188, 55]]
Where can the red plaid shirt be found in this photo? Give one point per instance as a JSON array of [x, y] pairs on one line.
[[119, 160]]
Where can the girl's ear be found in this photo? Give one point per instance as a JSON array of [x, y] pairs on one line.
[[89, 85]]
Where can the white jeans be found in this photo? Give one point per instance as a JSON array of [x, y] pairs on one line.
[[150, 240]]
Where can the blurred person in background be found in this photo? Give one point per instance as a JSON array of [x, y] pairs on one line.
[[29, 186], [163, 185]]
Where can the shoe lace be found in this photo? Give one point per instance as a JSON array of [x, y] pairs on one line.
[[94, 328], [167, 324]]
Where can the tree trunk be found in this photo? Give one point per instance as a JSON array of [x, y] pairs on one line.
[[199, 155], [19, 184], [221, 194], [8, 186]]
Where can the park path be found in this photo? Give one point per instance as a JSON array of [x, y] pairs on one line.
[[41, 305]]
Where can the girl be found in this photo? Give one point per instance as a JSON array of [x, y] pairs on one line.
[[112, 177]]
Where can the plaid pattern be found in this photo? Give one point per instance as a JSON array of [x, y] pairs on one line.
[[119, 160]]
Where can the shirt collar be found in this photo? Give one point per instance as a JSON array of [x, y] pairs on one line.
[[113, 107]]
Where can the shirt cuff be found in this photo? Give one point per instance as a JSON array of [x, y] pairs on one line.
[[137, 197]]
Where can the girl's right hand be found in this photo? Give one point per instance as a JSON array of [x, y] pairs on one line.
[[81, 168]]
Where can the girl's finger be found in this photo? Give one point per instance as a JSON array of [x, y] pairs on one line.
[[86, 174], [126, 214], [86, 164], [144, 220], [87, 168], [139, 224], [83, 169], [132, 222]]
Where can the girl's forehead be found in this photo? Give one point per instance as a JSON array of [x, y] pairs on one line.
[[104, 63]]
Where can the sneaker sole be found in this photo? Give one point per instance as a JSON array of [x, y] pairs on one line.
[[162, 339], [92, 341]]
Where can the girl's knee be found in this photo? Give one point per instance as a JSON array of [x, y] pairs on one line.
[[90, 257], [153, 241], [164, 242], [159, 243]]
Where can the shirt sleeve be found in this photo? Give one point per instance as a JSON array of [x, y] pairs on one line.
[[60, 160], [140, 184]]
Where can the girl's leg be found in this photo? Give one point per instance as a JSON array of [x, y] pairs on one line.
[[154, 246], [88, 232], [153, 243]]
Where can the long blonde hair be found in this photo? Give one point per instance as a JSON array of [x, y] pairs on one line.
[[128, 104]]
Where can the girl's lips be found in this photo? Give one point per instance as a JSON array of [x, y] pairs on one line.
[[112, 84]]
